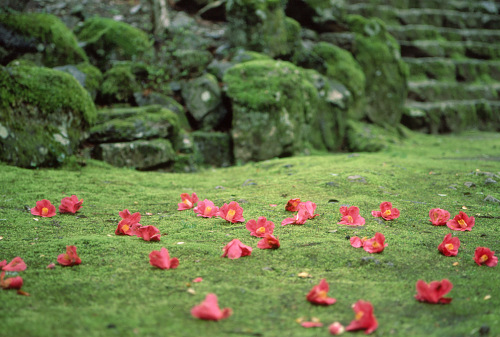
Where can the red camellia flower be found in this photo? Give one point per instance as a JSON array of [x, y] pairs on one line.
[[269, 242], [319, 294], [11, 282], [232, 212], [209, 309], [357, 242], [149, 233], [235, 249], [161, 259], [187, 201], [439, 216], [293, 205], [387, 212], [364, 319], [336, 328], [309, 207], [129, 224], [375, 244], [17, 264], [44, 208], [351, 217], [461, 222], [299, 219], [261, 227], [70, 258], [485, 256], [70, 204], [206, 209], [449, 246], [311, 324], [434, 291]]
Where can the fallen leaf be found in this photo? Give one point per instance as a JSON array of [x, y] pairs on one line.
[[191, 291], [455, 264], [304, 274], [464, 207], [487, 297], [36, 219], [442, 195], [147, 213], [180, 243]]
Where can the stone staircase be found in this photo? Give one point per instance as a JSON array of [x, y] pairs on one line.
[[452, 49]]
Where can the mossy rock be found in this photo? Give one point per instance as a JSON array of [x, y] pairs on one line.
[[128, 124], [262, 26], [44, 115], [339, 65], [386, 74], [86, 74], [277, 111], [138, 154], [121, 82], [105, 40], [320, 15], [191, 63], [213, 149], [56, 44]]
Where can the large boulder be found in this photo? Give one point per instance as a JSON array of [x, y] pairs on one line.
[[44, 115], [105, 40], [42, 38], [279, 111], [262, 26], [386, 74]]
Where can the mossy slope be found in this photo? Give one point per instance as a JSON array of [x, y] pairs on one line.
[[116, 291]]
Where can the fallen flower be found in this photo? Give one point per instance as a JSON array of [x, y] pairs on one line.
[[206, 209], [236, 249], [187, 201], [364, 318], [351, 217], [336, 328], [449, 246], [3, 263], [11, 282], [52, 265], [44, 208], [161, 259], [375, 244], [434, 291], [357, 242], [485, 256], [387, 212], [311, 324], [17, 264], [461, 222], [232, 212], [261, 227], [319, 294], [70, 258], [309, 207], [209, 309], [439, 216], [129, 223], [149, 233], [269, 242], [198, 279], [70, 204], [292, 205], [299, 219]]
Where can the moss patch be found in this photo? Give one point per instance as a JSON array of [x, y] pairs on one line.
[[115, 279], [60, 46]]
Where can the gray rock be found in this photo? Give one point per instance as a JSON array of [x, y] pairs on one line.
[[490, 181], [139, 154], [204, 101], [491, 198], [73, 71], [469, 184]]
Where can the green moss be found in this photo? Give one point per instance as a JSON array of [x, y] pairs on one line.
[[60, 45], [191, 63], [96, 295], [93, 77], [45, 88], [122, 81], [105, 37]]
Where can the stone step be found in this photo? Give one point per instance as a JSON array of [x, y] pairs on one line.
[[453, 49], [432, 91], [425, 32], [467, 70], [426, 16], [486, 7], [452, 116]]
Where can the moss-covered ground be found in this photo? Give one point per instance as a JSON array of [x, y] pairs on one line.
[[116, 292]]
